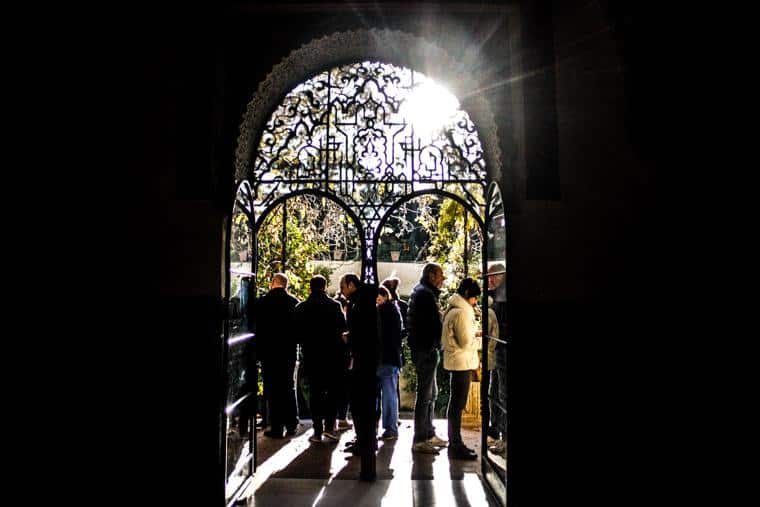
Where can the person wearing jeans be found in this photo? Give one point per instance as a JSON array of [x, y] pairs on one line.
[[423, 321], [460, 357], [389, 318]]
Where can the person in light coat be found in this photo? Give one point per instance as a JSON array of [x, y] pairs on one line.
[[460, 341]]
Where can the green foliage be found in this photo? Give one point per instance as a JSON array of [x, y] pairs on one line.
[[408, 372], [444, 390], [448, 243], [307, 240]]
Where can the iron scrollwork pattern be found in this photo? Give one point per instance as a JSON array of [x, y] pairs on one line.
[[348, 132]]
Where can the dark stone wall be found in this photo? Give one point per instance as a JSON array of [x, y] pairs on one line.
[[579, 179]]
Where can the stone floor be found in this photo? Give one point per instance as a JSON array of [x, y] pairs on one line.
[[296, 472]]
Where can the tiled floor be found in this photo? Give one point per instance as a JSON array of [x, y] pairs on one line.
[[296, 472]]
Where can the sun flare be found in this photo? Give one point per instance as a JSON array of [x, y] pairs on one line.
[[429, 108]]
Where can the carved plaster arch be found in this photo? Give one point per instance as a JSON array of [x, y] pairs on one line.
[[389, 46]]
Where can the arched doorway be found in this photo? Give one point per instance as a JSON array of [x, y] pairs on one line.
[[358, 133]]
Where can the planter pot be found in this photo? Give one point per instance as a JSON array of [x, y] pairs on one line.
[[395, 254], [243, 256], [338, 254]]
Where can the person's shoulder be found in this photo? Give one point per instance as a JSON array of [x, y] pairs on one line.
[[454, 312], [421, 288], [325, 301]]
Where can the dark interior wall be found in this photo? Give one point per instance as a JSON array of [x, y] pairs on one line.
[[579, 180], [576, 244]]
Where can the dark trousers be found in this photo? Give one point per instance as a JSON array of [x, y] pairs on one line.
[[497, 393], [460, 388], [363, 409], [280, 393], [323, 390], [342, 392], [426, 364]]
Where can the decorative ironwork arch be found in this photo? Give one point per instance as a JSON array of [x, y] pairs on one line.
[[414, 195], [391, 46], [319, 193], [345, 133]]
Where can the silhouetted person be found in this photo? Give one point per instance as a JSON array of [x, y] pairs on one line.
[[460, 358], [392, 283], [321, 323], [344, 392], [495, 445], [276, 345], [497, 389], [365, 346], [424, 325], [390, 335]]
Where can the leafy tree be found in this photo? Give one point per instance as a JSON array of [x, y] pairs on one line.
[[447, 232], [305, 242]]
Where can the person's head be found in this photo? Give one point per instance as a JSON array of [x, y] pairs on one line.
[[340, 298], [469, 290], [318, 283], [279, 280], [383, 295], [349, 283], [496, 280], [433, 274], [391, 284]]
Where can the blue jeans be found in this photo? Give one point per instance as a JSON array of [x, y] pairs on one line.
[[388, 375], [426, 364]]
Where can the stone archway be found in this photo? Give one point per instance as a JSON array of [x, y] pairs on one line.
[[387, 47]]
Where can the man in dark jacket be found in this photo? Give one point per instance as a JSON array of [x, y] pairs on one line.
[[320, 323], [276, 348], [365, 345], [424, 337]]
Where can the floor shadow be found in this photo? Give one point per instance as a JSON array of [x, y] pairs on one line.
[[422, 466], [423, 493], [383, 458], [354, 494], [456, 469], [384, 455], [313, 463], [266, 447]]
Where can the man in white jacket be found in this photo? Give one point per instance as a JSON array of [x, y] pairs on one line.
[[460, 357]]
